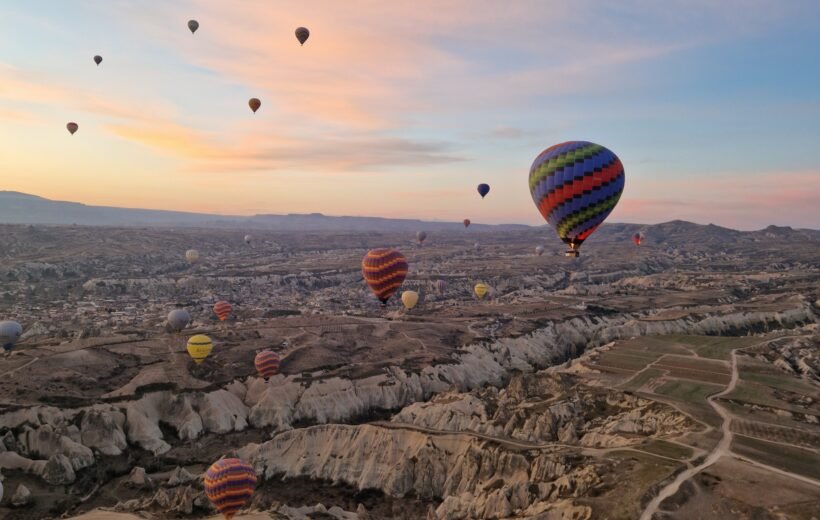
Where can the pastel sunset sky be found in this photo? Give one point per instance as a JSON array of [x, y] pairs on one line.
[[400, 108]]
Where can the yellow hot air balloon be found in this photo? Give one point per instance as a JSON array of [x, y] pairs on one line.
[[192, 255], [481, 290], [409, 299], [199, 347]]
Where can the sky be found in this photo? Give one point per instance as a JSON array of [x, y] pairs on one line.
[[399, 109]]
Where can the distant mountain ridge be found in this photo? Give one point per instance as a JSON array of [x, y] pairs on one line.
[[22, 208]]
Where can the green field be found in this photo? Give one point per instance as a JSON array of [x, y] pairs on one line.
[[667, 449], [627, 361], [642, 378], [802, 462], [783, 382], [714, 347], [655, 345], [755, 393], [688, 391]]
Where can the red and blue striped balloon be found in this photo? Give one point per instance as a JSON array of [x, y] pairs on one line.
[[575, 186], [384, 270], [267, 363], [229, 484], [222, 309]]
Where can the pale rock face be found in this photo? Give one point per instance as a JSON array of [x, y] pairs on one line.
[[11, 460], [22, 497], [222, 412], [102, 430], [180, 476], [59, 471], [45, 442], [308, 512]]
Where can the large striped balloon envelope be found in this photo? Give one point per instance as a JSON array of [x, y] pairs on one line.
[[481, 290], [229, 483], [267, 363], [199, 347], [384, 270], [222, 309], [575, 186]]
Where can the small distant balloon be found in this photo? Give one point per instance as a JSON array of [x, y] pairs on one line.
[[98, 59], [476, 246], [254, 103], [192, 255], [421, 236], [439, 286], [248, 239], [222, 309], [466, 222], [637, 238], [267, 364], [483, 189], [72, 127], [193, 25], [409, 299], [539, 250], [10, 332], [481, 290], [178, 319], [302, 34], [199, 347], [229, 484]]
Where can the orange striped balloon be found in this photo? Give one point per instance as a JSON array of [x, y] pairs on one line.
[[229, 484], [384, 270], [222, 309], [267, 363]]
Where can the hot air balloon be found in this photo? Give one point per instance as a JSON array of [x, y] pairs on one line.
[[192, 255], [575, 186], [539, 250], [248, 239], [254, 103], [466, 222], [384, 270], [440, 285], [481, 290], [72, 127], [229, 484], [302, 34], [98, 59], [193, 25], [483, 189], [637, 238], [476, 246], [178, 319], [421, 236], [409, 299], [222, 309], [267, 363], [199, 347], [10, 332]]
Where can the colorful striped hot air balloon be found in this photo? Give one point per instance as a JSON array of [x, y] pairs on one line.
[[267, 364], [481, 290], [222, 309], [229, 484], [440, 285], [575, 186], [637, 238], [199, 347], [466, 222], [384, 270]]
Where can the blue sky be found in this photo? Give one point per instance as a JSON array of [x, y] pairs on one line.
[[401, 109]]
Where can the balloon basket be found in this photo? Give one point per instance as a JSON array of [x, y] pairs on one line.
[[571, 252]]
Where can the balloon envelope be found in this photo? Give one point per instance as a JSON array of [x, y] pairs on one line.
[[440, 285], [178, 319], [248, 239], [384, 270], [10, 332], [222, 309], [254, 103], [229, 484], [72, 127], [637, 238], [267, 363], [421, 236], [302, 34], [199, 347], [193, 25], [481, 290], [192, 255], [483, 189], [466, 222], [98, 59], [409, 299], [539, 250], [575, 185]]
